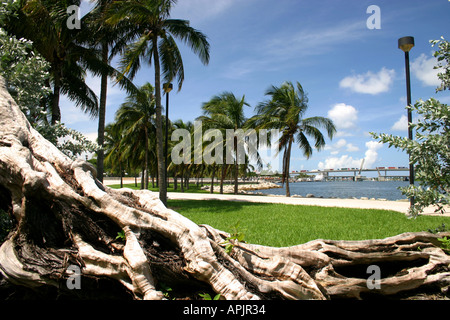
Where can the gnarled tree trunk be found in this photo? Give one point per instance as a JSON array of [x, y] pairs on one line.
[[64, 218]]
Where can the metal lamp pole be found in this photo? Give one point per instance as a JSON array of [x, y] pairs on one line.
[[406, 44]]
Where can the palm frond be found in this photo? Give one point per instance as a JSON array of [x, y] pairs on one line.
[[130, 63], [79, 92], [193, 38], [304, 145], [171, 61]]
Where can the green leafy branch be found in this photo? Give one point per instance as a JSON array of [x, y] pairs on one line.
[[207, 296], [235, 235], [445, 244]]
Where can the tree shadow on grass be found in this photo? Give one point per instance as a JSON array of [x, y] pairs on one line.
[[211, 205]]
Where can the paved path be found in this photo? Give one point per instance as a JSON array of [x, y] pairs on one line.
[[400, 206]]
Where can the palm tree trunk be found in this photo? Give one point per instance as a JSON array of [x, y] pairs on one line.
[[101, 116], [121, 174], [286, 172], [212, 179], [142, 178], [236, 168], [283, 176], [159, 131], [175, 181], [222, 177], [188, 176], [182, 178], [146, 158]]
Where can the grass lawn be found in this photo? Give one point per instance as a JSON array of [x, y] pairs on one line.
[[286, 225]]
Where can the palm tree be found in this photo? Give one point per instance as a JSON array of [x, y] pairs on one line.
[[156, 45], [285, 111], [136, 117], [111, 40], [114, 149], [183, 167], [44, 23], [223, 112]]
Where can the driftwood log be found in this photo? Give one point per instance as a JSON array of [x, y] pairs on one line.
[[65, 220]]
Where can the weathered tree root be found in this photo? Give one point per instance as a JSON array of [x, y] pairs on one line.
[[64, 217]]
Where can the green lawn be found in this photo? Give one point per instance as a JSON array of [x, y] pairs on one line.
[[286, 225]]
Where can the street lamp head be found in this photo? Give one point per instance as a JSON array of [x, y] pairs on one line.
[[167, 87], [406, 43]]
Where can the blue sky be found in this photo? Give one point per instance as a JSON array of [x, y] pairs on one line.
[[352, 74]]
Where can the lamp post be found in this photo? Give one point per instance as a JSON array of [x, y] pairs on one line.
[[406, 44], [167, 88]]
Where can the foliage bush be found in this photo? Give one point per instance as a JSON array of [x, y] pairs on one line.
[[27, 77]]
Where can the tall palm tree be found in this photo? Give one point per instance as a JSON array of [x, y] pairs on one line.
[[222, 112], [135, 116], [285, 111], [184, 167], [111, 40], [114, 149], [156, 45]]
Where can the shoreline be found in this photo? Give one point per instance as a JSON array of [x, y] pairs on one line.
[[246, 196], [244, 188]]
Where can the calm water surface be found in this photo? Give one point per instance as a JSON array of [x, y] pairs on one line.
[[345, 189]]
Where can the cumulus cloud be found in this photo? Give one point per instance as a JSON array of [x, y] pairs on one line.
[[341, 145], [401, 124], [371, 155], [352, 148], [344, 116], [423, 69], [345, 161], [370, 83]]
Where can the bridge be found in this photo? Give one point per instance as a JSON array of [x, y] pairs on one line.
[[339, 174]]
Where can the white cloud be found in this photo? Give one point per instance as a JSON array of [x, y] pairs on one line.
[[371, 155], [352, 148], [423, 69], [370, 83], [342, 162], [401, 124], [340, 134], [345, 161], [91, 136], [344, 116], [340, 145]]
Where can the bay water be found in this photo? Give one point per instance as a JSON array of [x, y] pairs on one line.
[[344, 189]]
